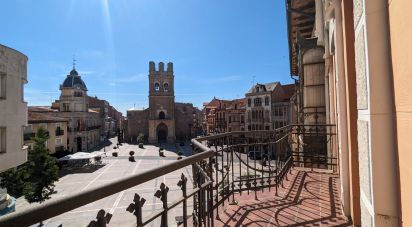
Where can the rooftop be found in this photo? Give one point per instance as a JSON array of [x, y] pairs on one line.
[[44, 117]]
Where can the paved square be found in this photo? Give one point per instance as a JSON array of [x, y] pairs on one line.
[[115, 168]]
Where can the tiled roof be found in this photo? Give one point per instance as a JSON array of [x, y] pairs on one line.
[[289, 90], [44, 117], [41, 109], [263, 87]]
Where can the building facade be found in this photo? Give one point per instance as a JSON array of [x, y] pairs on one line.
[[84, 123], [235, 115], [216, 112], [352, 64], [56, 128], [258, 106], [110, 119], [164, 120], [13, 116]]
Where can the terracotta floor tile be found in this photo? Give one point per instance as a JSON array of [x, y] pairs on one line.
[[305, 199]]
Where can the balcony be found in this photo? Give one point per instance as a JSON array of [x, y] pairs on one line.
[[29, 136], [59, 132], [93, 127], [289, 179]]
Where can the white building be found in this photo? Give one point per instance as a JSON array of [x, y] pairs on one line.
[[13, 116], [13, 108]]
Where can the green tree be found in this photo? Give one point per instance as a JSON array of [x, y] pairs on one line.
[[140, 138], [41, 170], [13, 179]]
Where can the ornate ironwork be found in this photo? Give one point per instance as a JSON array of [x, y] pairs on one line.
[[235, 162], [162, 195], [102, 219], [136, 208]]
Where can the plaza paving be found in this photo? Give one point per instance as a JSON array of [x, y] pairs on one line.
[[114, 169]]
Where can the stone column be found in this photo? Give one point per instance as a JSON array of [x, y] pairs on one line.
[[376, 132], [341, 106]]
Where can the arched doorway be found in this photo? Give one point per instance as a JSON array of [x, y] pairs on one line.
[[161, 131]]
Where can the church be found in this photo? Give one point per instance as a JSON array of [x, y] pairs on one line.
[[164, 120]]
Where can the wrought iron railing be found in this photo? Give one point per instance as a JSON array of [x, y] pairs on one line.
[[59, 132], [222, 165]]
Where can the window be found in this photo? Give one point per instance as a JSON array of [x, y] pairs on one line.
[[230, 119], [257, 101], [166, 87], [3, 86], [157, 87], [2, 139], [66, 107], [161, 115], [266, 101], [58, 142], [242, 119], [22, 90], [249, 102], [78, 94]]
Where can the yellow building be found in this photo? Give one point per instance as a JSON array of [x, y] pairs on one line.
[[56, 128]]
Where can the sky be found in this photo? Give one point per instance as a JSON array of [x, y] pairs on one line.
[[219, 48]]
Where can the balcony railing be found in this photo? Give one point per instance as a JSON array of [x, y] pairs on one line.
[[29, 136], [222, 165], [93, 127], [59, 132]]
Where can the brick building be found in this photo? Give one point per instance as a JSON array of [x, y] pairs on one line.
[[215, 112], [235, 115]]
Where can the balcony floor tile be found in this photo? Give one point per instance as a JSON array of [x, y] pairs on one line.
[[307, 198]]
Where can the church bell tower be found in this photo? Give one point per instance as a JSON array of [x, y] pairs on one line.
[[161, 103]]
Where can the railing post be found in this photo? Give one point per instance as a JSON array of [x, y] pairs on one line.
[[162, 195], [136, 208], [102, 219], [182, 185]]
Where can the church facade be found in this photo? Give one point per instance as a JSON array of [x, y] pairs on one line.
[[164, 120]]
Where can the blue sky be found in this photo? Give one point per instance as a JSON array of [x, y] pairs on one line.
[[218, 47]]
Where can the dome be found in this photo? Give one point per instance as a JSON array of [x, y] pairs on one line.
[[74, 72], [73, 80]]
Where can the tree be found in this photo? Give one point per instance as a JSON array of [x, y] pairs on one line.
[[41, 170], [13, 180], [140, 138]]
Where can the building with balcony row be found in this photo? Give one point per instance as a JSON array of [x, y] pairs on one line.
[[56, 128], [265, 107], [111, 119]]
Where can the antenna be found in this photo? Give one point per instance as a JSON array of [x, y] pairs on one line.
[[74, 61], [253, 79]]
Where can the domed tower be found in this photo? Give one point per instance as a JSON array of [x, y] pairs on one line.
[[73, 97], [161, 103]]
